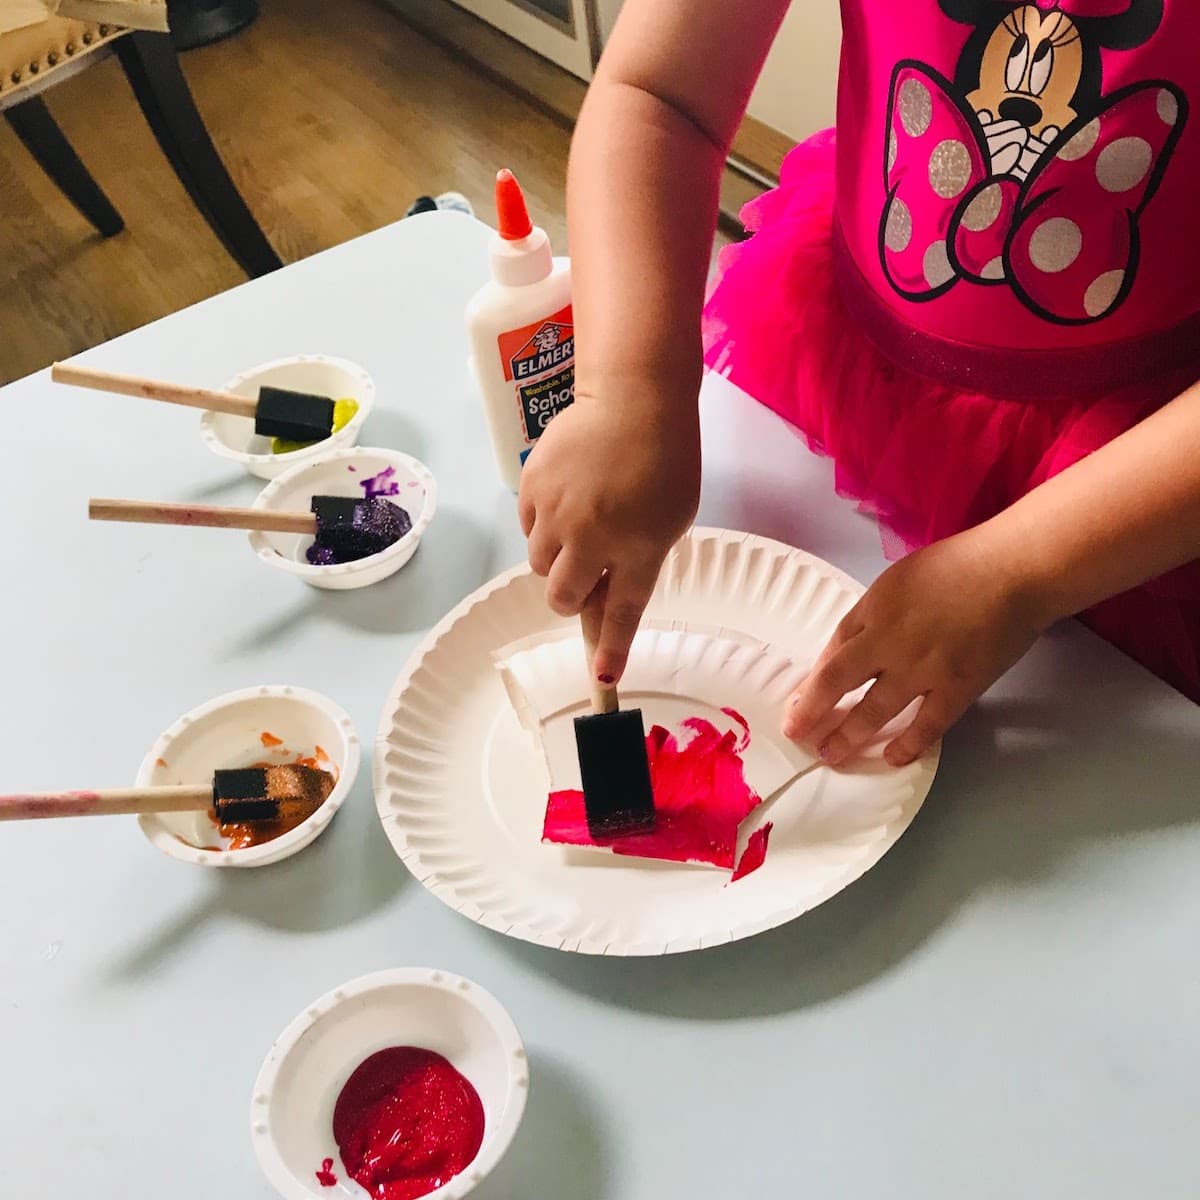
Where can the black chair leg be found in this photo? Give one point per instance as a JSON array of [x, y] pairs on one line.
[[162, 92], [39, 133]]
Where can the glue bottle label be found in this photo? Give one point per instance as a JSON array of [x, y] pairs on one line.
[[539, 360]]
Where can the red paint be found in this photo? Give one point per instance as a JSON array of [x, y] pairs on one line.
[[700, 796], [607, 680], [406, 1123], [325, 1176], [755, 853], [269, 739]]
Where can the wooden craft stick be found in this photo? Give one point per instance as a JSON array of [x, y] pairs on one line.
[[154, 389], [111, 802], [152, 512]]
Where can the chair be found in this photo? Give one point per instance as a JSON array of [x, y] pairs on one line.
[[46, 51]]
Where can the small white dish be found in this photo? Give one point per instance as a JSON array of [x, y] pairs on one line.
[[291, 1112], [227, 733], [234, 437], [343, 473]]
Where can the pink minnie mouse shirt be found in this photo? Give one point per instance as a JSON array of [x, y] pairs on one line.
[[1017, 186]]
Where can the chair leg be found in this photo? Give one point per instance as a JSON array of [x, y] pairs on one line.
[[166, 101], [39, 133]]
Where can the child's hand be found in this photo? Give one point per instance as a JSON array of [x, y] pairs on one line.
[[606, 489], [943, 624]]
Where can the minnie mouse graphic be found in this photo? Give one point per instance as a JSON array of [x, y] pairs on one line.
[[1020, 172]]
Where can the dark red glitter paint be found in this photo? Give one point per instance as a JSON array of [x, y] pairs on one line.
[[325, 1176], [406, 1123], [700, 796]]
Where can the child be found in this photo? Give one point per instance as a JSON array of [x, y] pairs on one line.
[[981, 298]]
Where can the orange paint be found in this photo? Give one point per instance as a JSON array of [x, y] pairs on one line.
[[160, 762], [242, 834]]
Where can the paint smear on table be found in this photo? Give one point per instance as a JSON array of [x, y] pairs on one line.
[[700, 797], [406, 1123]]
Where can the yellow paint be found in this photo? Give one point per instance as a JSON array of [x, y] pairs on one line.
[[343, 414]]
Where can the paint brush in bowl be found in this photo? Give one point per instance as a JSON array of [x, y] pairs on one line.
[[346, 529], [617, 793], [244, 794], [293, 416]]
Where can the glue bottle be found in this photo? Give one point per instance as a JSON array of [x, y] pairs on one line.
[[522, 333]]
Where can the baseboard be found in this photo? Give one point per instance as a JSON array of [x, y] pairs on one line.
[[757, 149]]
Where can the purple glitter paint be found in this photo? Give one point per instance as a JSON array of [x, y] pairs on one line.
[[383, 484], [349, 529]]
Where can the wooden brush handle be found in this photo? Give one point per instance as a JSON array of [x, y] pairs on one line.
[[185, 798], [151, 512], [604, 699], [154, 389]]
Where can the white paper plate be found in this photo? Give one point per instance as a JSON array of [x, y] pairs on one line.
[[461, 787]]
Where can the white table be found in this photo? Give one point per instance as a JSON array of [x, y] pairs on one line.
[[1006, 1007]]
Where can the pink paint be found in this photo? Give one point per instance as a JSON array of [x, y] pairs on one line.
[[325, 1176], [700, 796], [52, 804], [755, 853]]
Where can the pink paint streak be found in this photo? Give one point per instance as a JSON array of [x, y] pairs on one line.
[[700, 797], [755, 853], [325, 1176], [53, 804]]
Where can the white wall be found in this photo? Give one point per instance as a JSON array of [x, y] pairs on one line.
[[797, 90], [795, 93]]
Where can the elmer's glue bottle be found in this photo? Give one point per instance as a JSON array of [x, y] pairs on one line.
[[522, 333]]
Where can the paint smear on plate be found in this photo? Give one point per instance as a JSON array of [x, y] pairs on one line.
[[383, 484], [269, 739], [755, 853], [325, 1176], [700, 797]]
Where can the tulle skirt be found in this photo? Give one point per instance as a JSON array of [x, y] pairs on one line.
[[927, 460]]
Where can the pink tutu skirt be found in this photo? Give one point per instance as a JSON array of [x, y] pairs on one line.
[[926, 459]]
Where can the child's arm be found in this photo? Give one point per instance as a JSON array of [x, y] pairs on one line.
[[946, 622], [615, 479]]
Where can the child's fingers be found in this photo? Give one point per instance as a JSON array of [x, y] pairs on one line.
[[884, 701], [628, 594], [933, 718], [834, 675], [526, 513], [544, 548], [572, 579]]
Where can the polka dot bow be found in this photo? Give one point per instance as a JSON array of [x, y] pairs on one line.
[[1051, 213]]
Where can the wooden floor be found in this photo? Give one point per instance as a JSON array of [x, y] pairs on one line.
[[331, 127]]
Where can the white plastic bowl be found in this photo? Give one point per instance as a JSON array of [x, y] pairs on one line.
[[291, 1113], [227, 732], [341, 473], [234, 437]]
